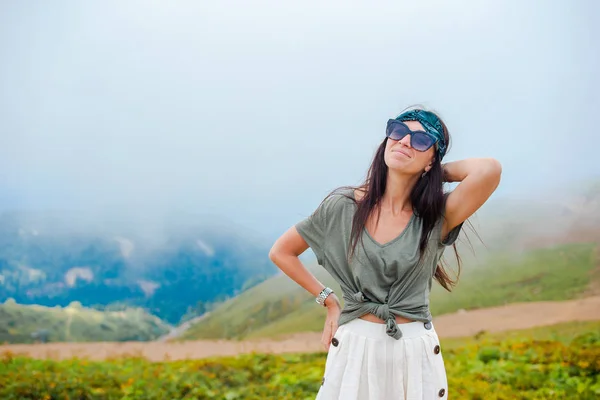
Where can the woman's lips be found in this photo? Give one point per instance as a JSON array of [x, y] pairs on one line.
[[403, 152]]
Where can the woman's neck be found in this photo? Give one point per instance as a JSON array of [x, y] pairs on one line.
[[397, 192]]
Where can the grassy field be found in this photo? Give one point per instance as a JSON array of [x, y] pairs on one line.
[[75, 324], [559, 362], [279, 306]]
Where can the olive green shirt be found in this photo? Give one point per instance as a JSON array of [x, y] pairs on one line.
[[382, 279]]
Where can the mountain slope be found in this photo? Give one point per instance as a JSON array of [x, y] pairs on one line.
[[168, 267], [277, 298], [74, 323]]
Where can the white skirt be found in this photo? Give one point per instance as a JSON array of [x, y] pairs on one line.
[[367, 364]]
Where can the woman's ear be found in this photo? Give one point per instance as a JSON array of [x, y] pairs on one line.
[[429, 166]]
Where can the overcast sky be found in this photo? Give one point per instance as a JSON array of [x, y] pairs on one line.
[[254, 110]]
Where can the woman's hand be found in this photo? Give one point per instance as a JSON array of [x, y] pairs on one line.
[[331, 322]]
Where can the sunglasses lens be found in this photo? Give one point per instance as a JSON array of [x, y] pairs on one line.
[[421, 141], [396, 131]]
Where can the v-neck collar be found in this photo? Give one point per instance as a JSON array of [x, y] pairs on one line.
[[392, 241]]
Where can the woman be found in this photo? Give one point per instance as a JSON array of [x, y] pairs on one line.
[[382, 242]]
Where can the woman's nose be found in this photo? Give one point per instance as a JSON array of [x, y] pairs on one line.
[[406, 140]]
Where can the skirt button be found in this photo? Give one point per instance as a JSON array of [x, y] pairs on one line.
[[442, 392], [436, 349], [335, 342], [427, 325]]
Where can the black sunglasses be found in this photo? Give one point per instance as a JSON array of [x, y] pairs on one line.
[[419, 140]]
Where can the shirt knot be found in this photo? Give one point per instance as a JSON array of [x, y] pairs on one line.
[[381, 310], [391, 328]]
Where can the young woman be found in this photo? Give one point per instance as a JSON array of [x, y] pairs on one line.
[[382, 242]]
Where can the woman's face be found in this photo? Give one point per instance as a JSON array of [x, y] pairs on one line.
[[400, 156]]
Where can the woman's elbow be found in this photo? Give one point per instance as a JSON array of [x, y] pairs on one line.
[[493, 168], [274, 253], [277, 252], [289, 244]]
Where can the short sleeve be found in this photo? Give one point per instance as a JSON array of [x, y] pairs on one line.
[[451, 237], [313, 229]]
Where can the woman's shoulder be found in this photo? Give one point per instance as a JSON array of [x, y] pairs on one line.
[[337, 200], [352, 193], [343, 195]]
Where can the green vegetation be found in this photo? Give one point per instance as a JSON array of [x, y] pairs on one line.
[[27, 324], [519, 367], [279, 306], [563, 333]]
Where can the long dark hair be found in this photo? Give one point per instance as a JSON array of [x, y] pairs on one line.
[[427, 199]]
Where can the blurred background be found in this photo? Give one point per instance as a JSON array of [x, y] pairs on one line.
[[151, 152]]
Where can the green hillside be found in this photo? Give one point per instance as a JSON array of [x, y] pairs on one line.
[[279, 306], [557, 273], [29, 323], [277, 300]]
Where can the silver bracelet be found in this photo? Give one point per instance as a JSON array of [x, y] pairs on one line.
[[323, 295]]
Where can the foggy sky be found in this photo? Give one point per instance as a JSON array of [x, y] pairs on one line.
[[256, 110]]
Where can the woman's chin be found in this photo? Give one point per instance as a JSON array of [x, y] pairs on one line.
[[397, 165], [401, 168]]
